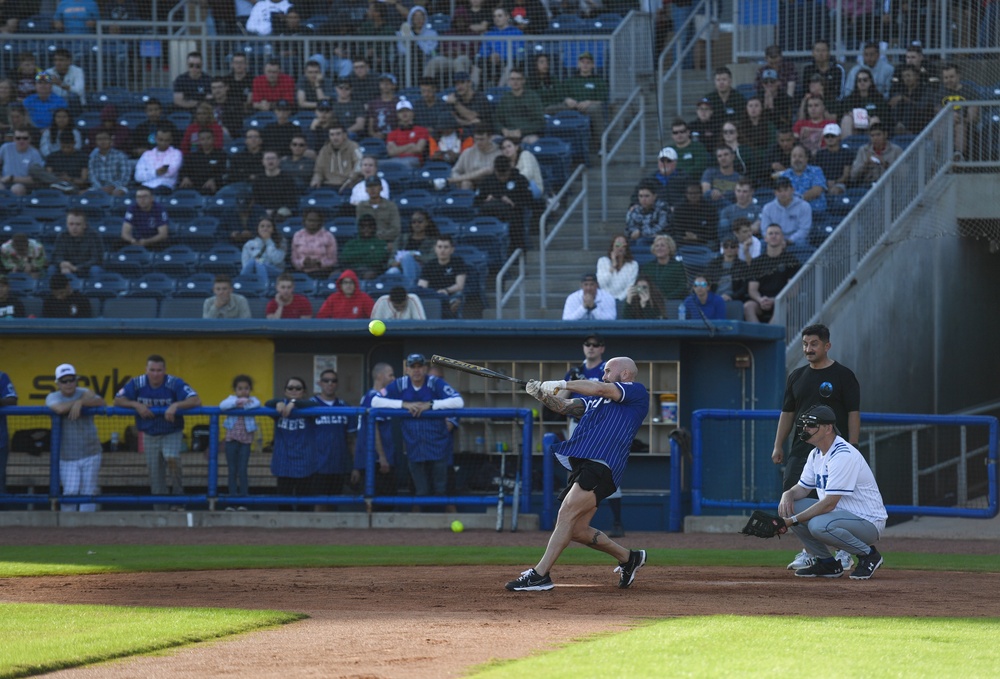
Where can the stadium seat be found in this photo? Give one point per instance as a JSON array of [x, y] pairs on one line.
[[105, 285], [180, 307], [259, 120], [458, 213], [223, 258], [574, 128], [45, 205], [10, 205], [424, 176], [490, 235], [409, 202], [22, 284], [249, 286], [165, 95], [176, 260], [839, 206], [199, 233], [29, 226], [184, 204], [327, 200], [446, 226], [553, 153], [304, 284], [199, 285], [131, 261], [94, 204], [130, 307], [695, 259], [458, 198], [154, 284], [373, 146]]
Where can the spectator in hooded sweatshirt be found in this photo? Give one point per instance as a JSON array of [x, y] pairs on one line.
[[348, 301]]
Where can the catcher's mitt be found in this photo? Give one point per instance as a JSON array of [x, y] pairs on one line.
[[764, 525]]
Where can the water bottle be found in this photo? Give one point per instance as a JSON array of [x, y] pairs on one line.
[[480, 444], [682, 311], [114, 442]]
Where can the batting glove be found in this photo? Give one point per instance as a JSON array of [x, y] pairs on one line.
[[533, 387], [550, 388]]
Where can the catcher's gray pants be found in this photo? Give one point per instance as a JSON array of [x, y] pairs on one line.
[[838, 529]]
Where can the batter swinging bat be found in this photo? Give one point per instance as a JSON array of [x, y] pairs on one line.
[[474, 369]]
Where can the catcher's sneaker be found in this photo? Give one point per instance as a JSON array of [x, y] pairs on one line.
[[845, 559], [530, 581], [636, 560], [867, 565], [802, 560], [821, 569]]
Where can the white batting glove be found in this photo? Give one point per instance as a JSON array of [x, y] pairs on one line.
[[551, 388], [533, 387]]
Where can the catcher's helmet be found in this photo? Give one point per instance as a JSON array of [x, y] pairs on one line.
[[818, 415]]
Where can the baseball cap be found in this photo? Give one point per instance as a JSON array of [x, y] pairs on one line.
[[283, 103], [65, 369], [415, 359], [462, 76], [668, 153], [43, 78], [820, 414], [597, 338], [324, 105], [519, 15], [703, 102], [782, 183], [388, 76], [832, 128], [588, 277], [769, 74], [373, 181], [586, 55], [404, 104]]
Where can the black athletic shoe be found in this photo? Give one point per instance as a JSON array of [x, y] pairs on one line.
[[867, 565], [530, 581], [834, 569], [636, 560]]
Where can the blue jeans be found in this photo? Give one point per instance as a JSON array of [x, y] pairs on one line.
[[237, 463], [430, 477], [260, 270], [679, 15]]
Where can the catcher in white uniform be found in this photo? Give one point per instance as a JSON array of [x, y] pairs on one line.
[[849, 514]]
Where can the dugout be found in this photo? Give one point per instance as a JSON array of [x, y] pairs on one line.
[[727, 365]]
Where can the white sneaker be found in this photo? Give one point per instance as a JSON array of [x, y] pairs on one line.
[[801, 560], [845, 559]]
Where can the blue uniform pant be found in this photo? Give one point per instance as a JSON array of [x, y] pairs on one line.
[[838, 529], [430, 477]]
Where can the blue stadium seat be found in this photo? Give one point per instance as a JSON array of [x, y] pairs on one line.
[[157, 285], [458, 213], [343, 229], [747, 90], [200, 233], [132, 119], [176, 260], [46, 205], [88, 120], [373, 146], [553, 153], [569, 24], [410, 201], [839, 206], [495, 94], [181, 307], [130, 307], [131, 261], [490, 235], [121, 98], [695, 259], [22, 284], [327, 200], [10, 205], [903, 140], [458, 198], [424, 176], [165, 95], [303, 119], [222, 258], [289, 228], [440, 23], [29, 226], [199, 285], [249, 286], [184, 204], [324, 289], [95, 204], [105, 285], [574, 128], [259, 120]]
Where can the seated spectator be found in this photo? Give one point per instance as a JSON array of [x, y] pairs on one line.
[[911, 103], [696, 220], [704, 128], [703, 303], [769, 274], [650, 216], [830, 73], [809, 130], [273, 191], [239, 81], [248, 164], [68, 79], [68, 164], [225, 303], [448, 143], [349, 301], [24, 74], [271, 87], [17, 158], [108, 168], [338, 161], [204, 168], [727, 102], [419, 39], [260, 21], [120, 138], [864, 107], [76, 17], [21, 254], [417, 246], [277, 136], [520, 114], [78, 250], [194, 86], [807, 180], [10, 306], [383, 211], [469, 106], [589, 303], [927, 71], [476, 162], [692, 157], [494, 55], [264, 256], [644, 301], [144, 136], [835, 160], [779, 157], [874, 158], [506, 195], [314, 249], [204, 119], [359, 181], [399, 305], [665, 271], [50, 136], [743, 207], [746, 161], [43, 103], [670, 179], [789, 212], [446, 274], [541, 81], [228, 111], [755, 130], [587, 93], [728, 273], [159, 168], [429, 110], [407, 142], [872, 60], [146, 223], [364, 86], [719, 183], [748, 246], [287, 304], [617, 270], [8, 96], [785, 72], [18, 117], [298, 163], [63, 301], [309, 91], [365, 253], [382, 109], [524, 161], [346, 110]]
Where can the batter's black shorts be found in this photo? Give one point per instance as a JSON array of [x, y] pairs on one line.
[[590, 475]]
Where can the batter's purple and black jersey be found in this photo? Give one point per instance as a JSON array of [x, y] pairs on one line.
[[173, 390], [608, 427]]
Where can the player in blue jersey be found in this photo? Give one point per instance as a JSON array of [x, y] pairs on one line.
[[385, 452], [8, 397], [294, 459], [427, 439], [849, 515], [611, 413], [162, 435], [334, 439]]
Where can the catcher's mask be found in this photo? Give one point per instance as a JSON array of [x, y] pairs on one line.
[[816, 416]]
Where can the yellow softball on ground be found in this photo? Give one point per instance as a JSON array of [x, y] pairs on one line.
[[457, 527], [376, 328]]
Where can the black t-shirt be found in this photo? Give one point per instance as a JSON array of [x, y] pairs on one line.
[[834, 386], [11, 308], [71, 164], [832, 162], [199, 167], [440, 276], [773, 273], [245, 166], [191, 88], [73, 306], [278, 138], [239, 90], [275, 192]]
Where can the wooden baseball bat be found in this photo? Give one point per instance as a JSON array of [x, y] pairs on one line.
[[474, 369]]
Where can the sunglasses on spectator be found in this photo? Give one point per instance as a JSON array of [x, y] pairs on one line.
[[592, 344], [701, 284], [67, 380], [294, 387], [22, 138], [328, 380]]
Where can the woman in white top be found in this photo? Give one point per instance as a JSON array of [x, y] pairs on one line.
[[369, 166], [617, 272], [526, 164]]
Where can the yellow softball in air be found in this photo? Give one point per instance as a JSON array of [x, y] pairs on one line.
[[457, 526], [376, 328]]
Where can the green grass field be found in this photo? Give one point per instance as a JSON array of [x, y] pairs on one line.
[[42, 638]]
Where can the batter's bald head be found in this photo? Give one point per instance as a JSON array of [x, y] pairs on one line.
[[621, 369]]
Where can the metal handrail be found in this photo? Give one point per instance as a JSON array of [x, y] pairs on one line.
[[606, 155], [676, 68], [543, 240], [516, 285]]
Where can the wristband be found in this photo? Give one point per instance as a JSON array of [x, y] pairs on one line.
[[794, 520]]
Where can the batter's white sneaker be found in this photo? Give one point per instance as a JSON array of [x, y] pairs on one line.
[[801, 560], [845, 559]]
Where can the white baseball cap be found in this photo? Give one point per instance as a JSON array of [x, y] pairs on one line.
[[64, 370], [404, 104], [832, 128], [668, 153]]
